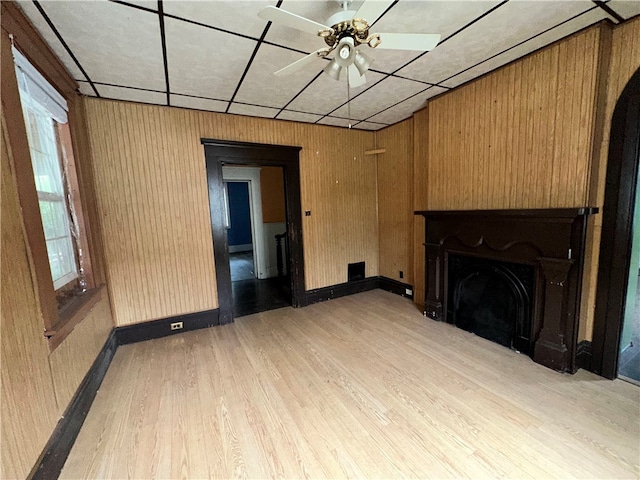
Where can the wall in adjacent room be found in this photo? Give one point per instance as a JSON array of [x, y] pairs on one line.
[[152, 195], [272, 188]]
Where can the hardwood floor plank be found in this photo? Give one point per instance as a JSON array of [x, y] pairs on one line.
[[359, 387]]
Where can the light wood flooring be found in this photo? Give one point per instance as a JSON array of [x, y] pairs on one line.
[[361, 386]]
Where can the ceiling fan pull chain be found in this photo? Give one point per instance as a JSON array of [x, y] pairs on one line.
[[348, 98]]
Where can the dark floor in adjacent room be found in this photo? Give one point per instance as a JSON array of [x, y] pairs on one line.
[[253, 295], [241, 265]]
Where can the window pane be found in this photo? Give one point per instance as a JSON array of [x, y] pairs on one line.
[[46, 166], [61, 259], [54, 219], [54, 262]]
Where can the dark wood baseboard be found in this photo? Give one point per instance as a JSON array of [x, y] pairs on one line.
[[55, 452], [340, 290], [394, 286], [357, 286], [140, 332], [584, 355]]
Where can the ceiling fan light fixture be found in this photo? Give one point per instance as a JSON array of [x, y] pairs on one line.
[[345, 52], [362, 62], [333, 70]]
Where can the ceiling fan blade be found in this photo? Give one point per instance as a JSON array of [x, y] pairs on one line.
[[409, 41], [355, 79], [299, 64], [282, 17], [371, 10]]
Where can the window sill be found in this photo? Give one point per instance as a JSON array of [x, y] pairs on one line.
[[71, 314]]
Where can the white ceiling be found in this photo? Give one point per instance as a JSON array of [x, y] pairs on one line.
[[220, 56]]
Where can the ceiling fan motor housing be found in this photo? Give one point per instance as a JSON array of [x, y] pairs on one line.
[[344, 25]]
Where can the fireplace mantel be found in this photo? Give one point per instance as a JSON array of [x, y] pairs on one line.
[[551, 240]]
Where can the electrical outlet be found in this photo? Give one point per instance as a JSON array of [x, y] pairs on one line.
[[408, 291], [176, 326], [401, 274]]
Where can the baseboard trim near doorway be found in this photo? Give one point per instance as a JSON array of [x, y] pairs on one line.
[[139, 332]]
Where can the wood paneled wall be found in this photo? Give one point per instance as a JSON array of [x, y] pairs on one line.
[[395, 201], [152, 198], [533, 134], [272, 189], [420, 191], [339, 189], [520, 137], [36, 384]]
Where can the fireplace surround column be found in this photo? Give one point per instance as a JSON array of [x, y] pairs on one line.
[[551, 348]]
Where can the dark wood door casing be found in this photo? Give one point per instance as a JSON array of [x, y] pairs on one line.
[[219, 153], [617, 230]]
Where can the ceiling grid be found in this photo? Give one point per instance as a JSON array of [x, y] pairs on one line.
[[220, 56]]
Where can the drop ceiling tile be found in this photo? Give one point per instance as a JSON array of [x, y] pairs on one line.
[[562, 31], [369, 126], [262, 87], [501, 29], [38, 21], [128, 38], [625, 8], [150, 4], [205, 62], [384, 94], [422, 17], [239, 16], [299, 116], [253, 110], [406, 108], [132, 95], [337, 122], [198, 103], [85, 88], [326, 94]]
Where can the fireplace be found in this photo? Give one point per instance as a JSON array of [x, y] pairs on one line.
[[492, 299], [512, 276]]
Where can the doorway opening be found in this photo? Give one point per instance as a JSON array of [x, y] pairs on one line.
[[629, 358], [256, 231], [616, 316], [267, 180]]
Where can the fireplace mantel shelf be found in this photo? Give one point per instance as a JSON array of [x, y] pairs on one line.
[[533, 212]]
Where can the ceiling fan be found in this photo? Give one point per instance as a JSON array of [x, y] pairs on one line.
[[346, 38]]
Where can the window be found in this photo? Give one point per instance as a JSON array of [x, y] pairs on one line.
[[45, 116]]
